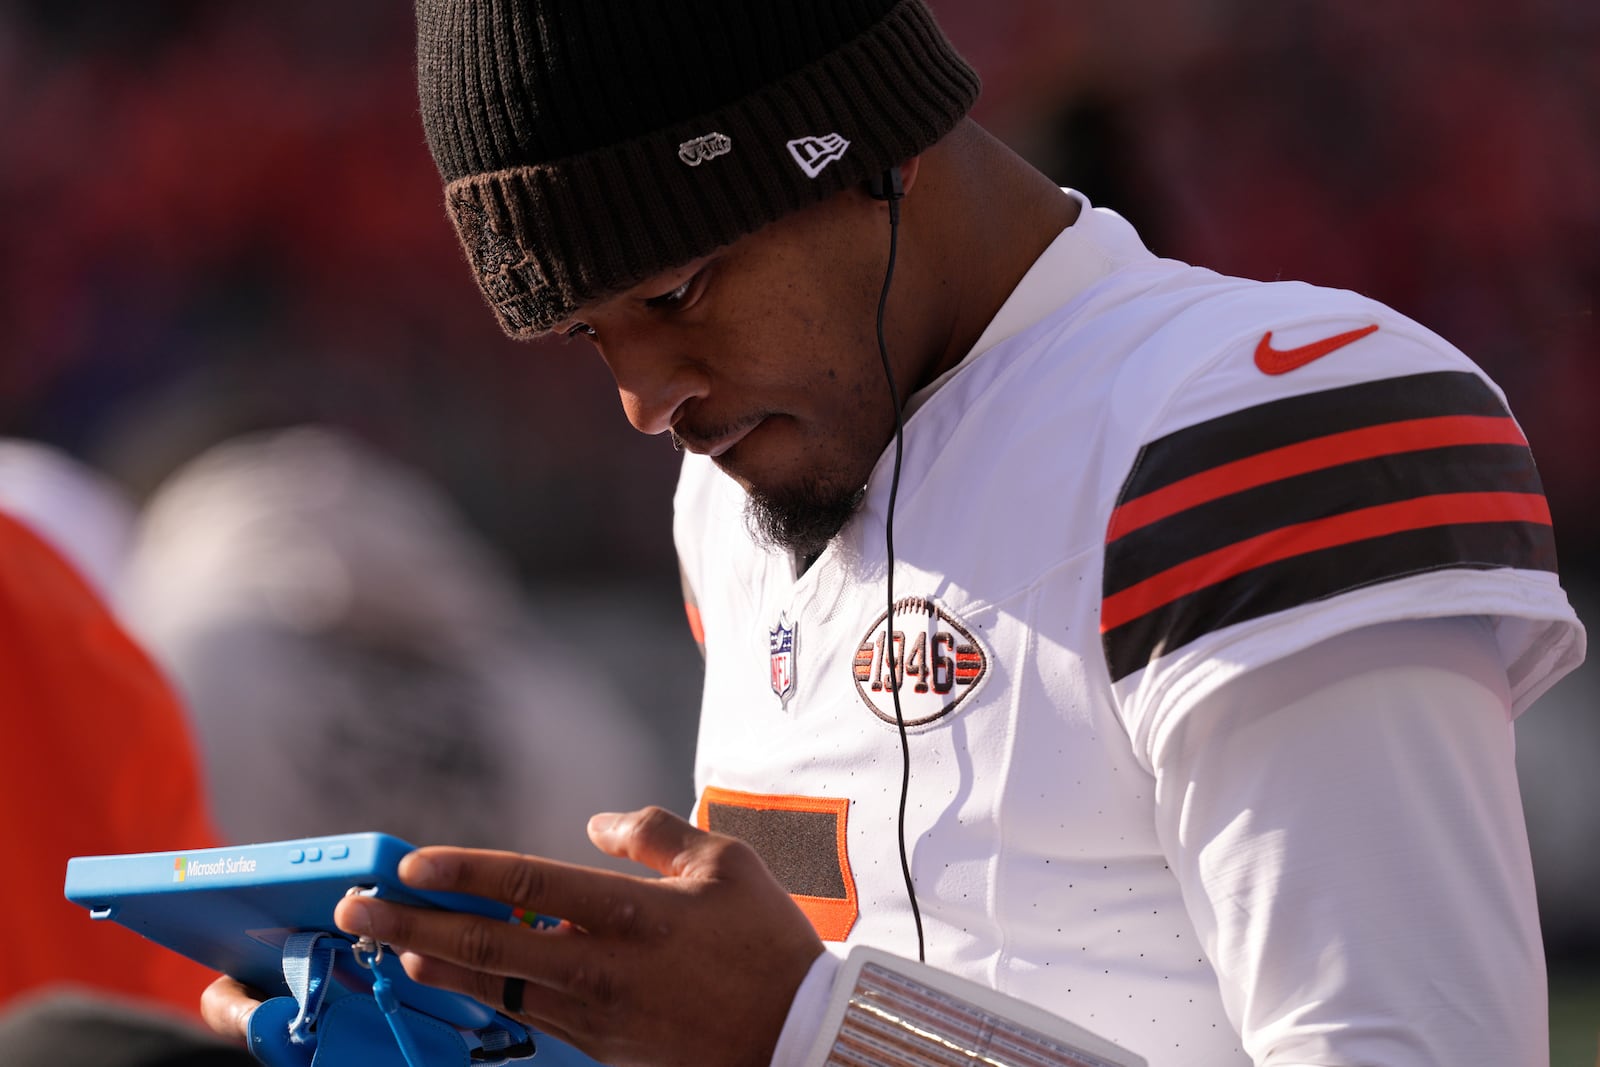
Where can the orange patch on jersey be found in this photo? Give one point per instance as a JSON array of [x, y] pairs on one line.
[[802, 841]]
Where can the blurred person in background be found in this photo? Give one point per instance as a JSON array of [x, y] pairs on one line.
[[81, 512], [355, 658], [95, 757]]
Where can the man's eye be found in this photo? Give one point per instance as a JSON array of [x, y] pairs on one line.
[[672, 299]]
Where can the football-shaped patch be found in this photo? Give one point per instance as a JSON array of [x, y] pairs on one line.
[[924, 650]]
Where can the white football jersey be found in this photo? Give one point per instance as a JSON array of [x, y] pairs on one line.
[[1146, 479]]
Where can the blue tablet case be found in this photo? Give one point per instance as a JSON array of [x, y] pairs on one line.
[[234, 909]]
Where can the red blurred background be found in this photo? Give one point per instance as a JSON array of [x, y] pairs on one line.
[[218, 215]]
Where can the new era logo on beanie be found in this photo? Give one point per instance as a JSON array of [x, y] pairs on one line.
[[814, 153]]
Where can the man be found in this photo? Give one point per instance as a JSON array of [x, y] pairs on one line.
[[1211, 600]]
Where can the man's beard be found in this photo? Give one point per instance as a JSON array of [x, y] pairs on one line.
[[802, 520]]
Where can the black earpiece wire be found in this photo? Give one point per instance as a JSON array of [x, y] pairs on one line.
[[892, 192]]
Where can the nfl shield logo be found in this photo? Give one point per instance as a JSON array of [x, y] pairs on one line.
[[780, 639]]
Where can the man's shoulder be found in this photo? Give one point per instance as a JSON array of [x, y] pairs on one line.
[[1226, 358], [1158, 330], [1167, 348], [1210, 349], [1319, 458]]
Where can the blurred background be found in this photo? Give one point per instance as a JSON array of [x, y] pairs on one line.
[[268, 414]]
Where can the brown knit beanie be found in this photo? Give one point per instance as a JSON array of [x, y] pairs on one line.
[[589, 144]]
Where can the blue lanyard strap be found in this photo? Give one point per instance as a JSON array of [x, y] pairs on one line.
[[308, 968], [383, 993]]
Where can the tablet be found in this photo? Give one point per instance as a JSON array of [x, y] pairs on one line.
[[232, 908]]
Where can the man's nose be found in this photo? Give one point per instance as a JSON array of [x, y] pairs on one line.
[[654, 384]]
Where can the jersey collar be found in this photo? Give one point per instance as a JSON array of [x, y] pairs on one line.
[[1098, 242]]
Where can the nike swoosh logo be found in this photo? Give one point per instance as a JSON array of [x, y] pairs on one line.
[[1281, 361]]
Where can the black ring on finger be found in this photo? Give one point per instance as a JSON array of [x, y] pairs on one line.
[[511, 995]]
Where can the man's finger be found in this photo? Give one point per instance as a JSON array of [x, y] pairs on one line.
[[593, 899], [226, 1006], [468, 939], [652, 836], [548, 1010], [563, 959]]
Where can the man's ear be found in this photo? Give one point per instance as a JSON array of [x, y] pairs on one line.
[[898, 180], [908, 172]]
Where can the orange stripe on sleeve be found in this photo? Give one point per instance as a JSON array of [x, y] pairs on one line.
[[1362, 524], [1321, 453]]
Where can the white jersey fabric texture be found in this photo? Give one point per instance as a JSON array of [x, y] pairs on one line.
[[1349, 842], [1114, 514]]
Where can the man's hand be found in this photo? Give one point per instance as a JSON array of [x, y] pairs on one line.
[[697, 967]]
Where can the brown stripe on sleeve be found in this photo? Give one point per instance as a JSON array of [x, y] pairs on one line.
[[1341, 489]]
